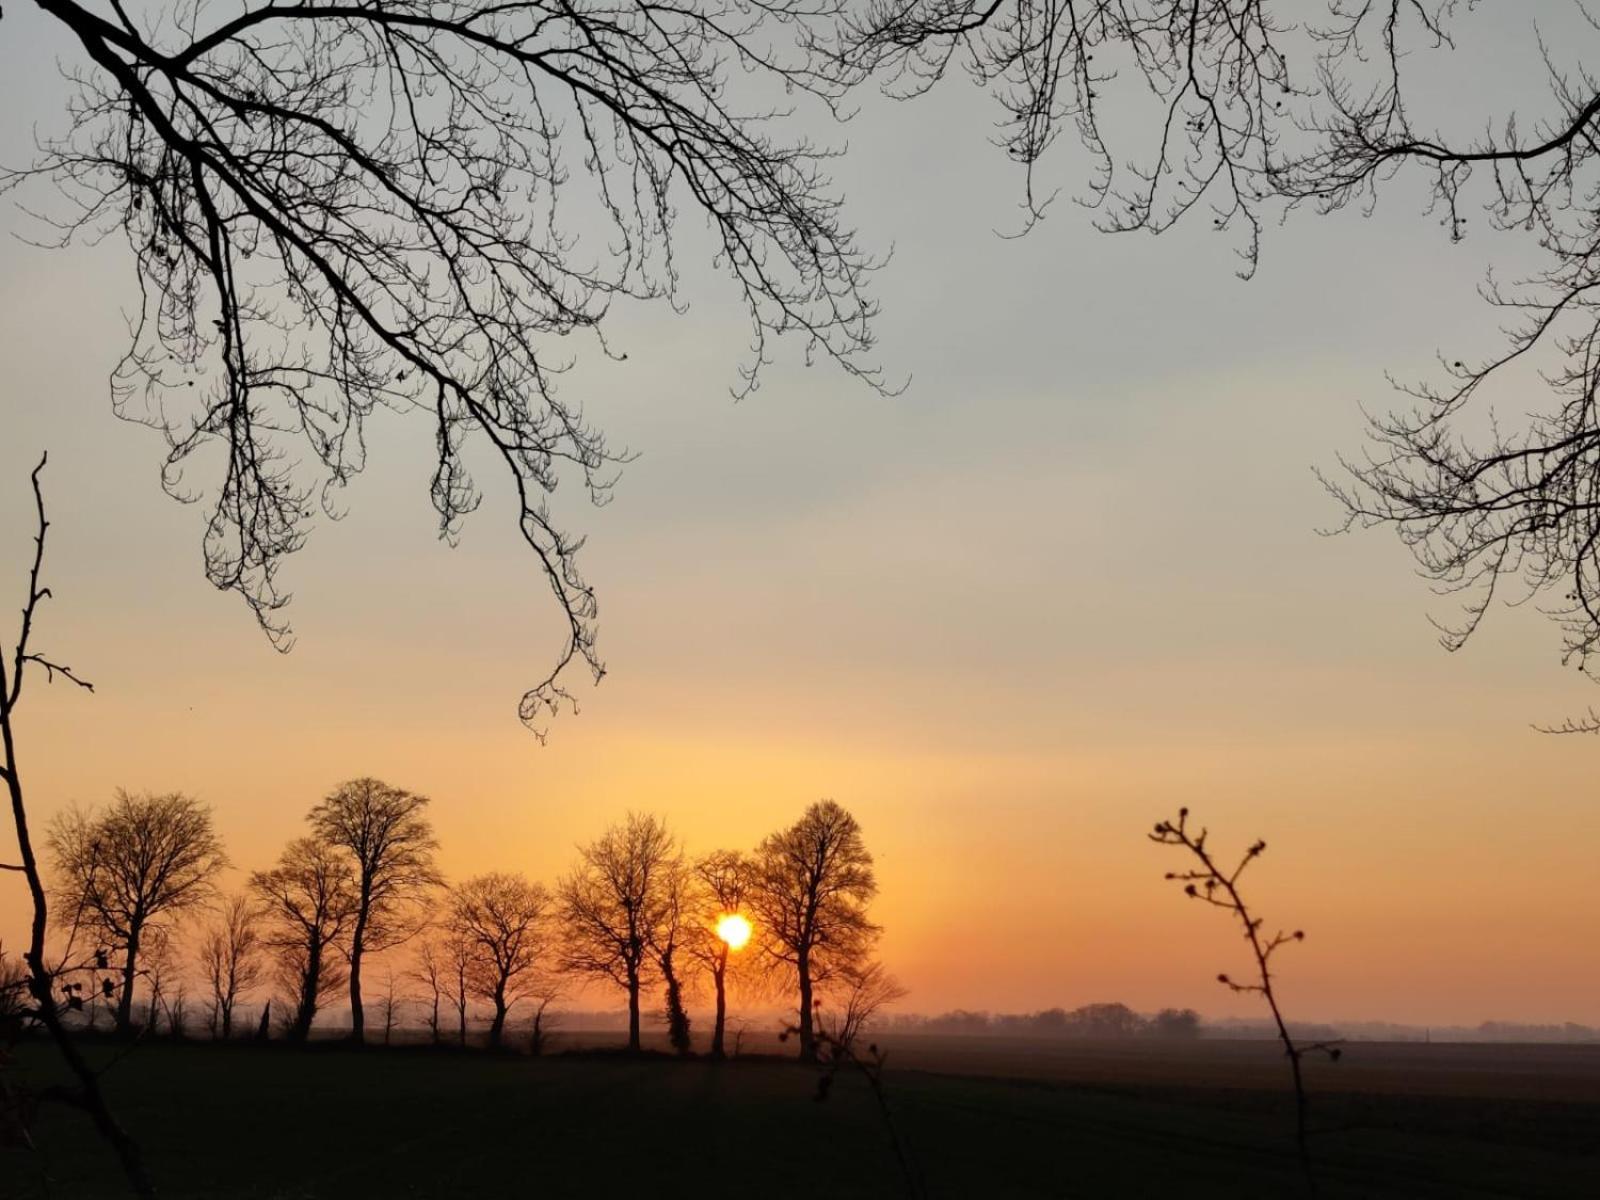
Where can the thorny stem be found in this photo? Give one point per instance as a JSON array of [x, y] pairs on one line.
[[1205, 883], [41, 980]]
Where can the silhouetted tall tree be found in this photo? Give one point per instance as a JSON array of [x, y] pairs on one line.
[[671, 933], [500, 919], [230, 957], [309, 901], [723, 879], [339, 208], [387, 833], [125, 873], [810, 887], [25, 661], [615, 904]]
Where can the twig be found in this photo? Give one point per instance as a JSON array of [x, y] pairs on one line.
[[838, 1053], [41, 980], [1220, 888]]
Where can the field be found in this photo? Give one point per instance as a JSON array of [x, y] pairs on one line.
[[982, 1117]]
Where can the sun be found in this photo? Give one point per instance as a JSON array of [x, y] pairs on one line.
[[734, 929]]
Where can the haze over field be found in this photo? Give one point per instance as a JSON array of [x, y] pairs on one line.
[[1066, 581]]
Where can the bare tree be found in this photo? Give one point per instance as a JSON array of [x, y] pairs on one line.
[[309, 901], [500, 919], [862, 991], [458, 963], [124, 874], [175, 1008], [810, 887], [1219, 887], [388, 1006], [430, 972], [336, 209], [723, 879], [442, 967], [230, 957], [615, 904], [13, 989], [160, 959], [24, 662], [386, 831], [546, 992], [674, 928]]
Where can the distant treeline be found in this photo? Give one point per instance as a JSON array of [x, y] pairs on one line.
[[1089, 1021], [1120, 1021], [1388, 1031]]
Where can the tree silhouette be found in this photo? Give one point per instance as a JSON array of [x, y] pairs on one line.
[[125, 873], [861, 991], [309, 901], [500, 921], [546, 992], [1219, 887], [230, 957], [811, 884], [671, 933], [615, 905], [723, 879], [25, 662], [339, 208], [387, 833], [1258, 112], [431, 972]]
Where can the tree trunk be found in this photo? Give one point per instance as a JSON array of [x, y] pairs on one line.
[[677, 1018], [227, 1020], [808, 1040], [720, 976], [498, 1025], [307, 1011], [358, 1014], [633, 1011], [129, 970]]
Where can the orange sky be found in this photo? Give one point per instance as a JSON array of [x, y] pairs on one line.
[[1068, 581]]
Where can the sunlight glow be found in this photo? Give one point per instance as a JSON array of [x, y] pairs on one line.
[[734, 929]]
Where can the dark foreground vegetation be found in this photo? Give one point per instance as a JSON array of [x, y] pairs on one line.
[[254, 1121]]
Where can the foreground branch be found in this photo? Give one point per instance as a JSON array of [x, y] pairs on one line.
[[1220, 888], [87, 1093]]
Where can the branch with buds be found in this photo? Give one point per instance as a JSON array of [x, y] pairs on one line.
[[1219, 887]]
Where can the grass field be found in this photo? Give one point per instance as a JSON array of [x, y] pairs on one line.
[[245, 1121]]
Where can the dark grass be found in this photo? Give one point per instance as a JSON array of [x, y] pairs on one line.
[[256, 1122]]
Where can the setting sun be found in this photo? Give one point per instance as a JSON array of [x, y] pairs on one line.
[[734, 929]]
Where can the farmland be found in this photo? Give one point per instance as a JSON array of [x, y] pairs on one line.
[[981, 1117]]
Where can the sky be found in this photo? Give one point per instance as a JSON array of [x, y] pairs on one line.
[[1067, 580]]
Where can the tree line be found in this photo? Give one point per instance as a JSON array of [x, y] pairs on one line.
[[136, 901], [1102, 1020]]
